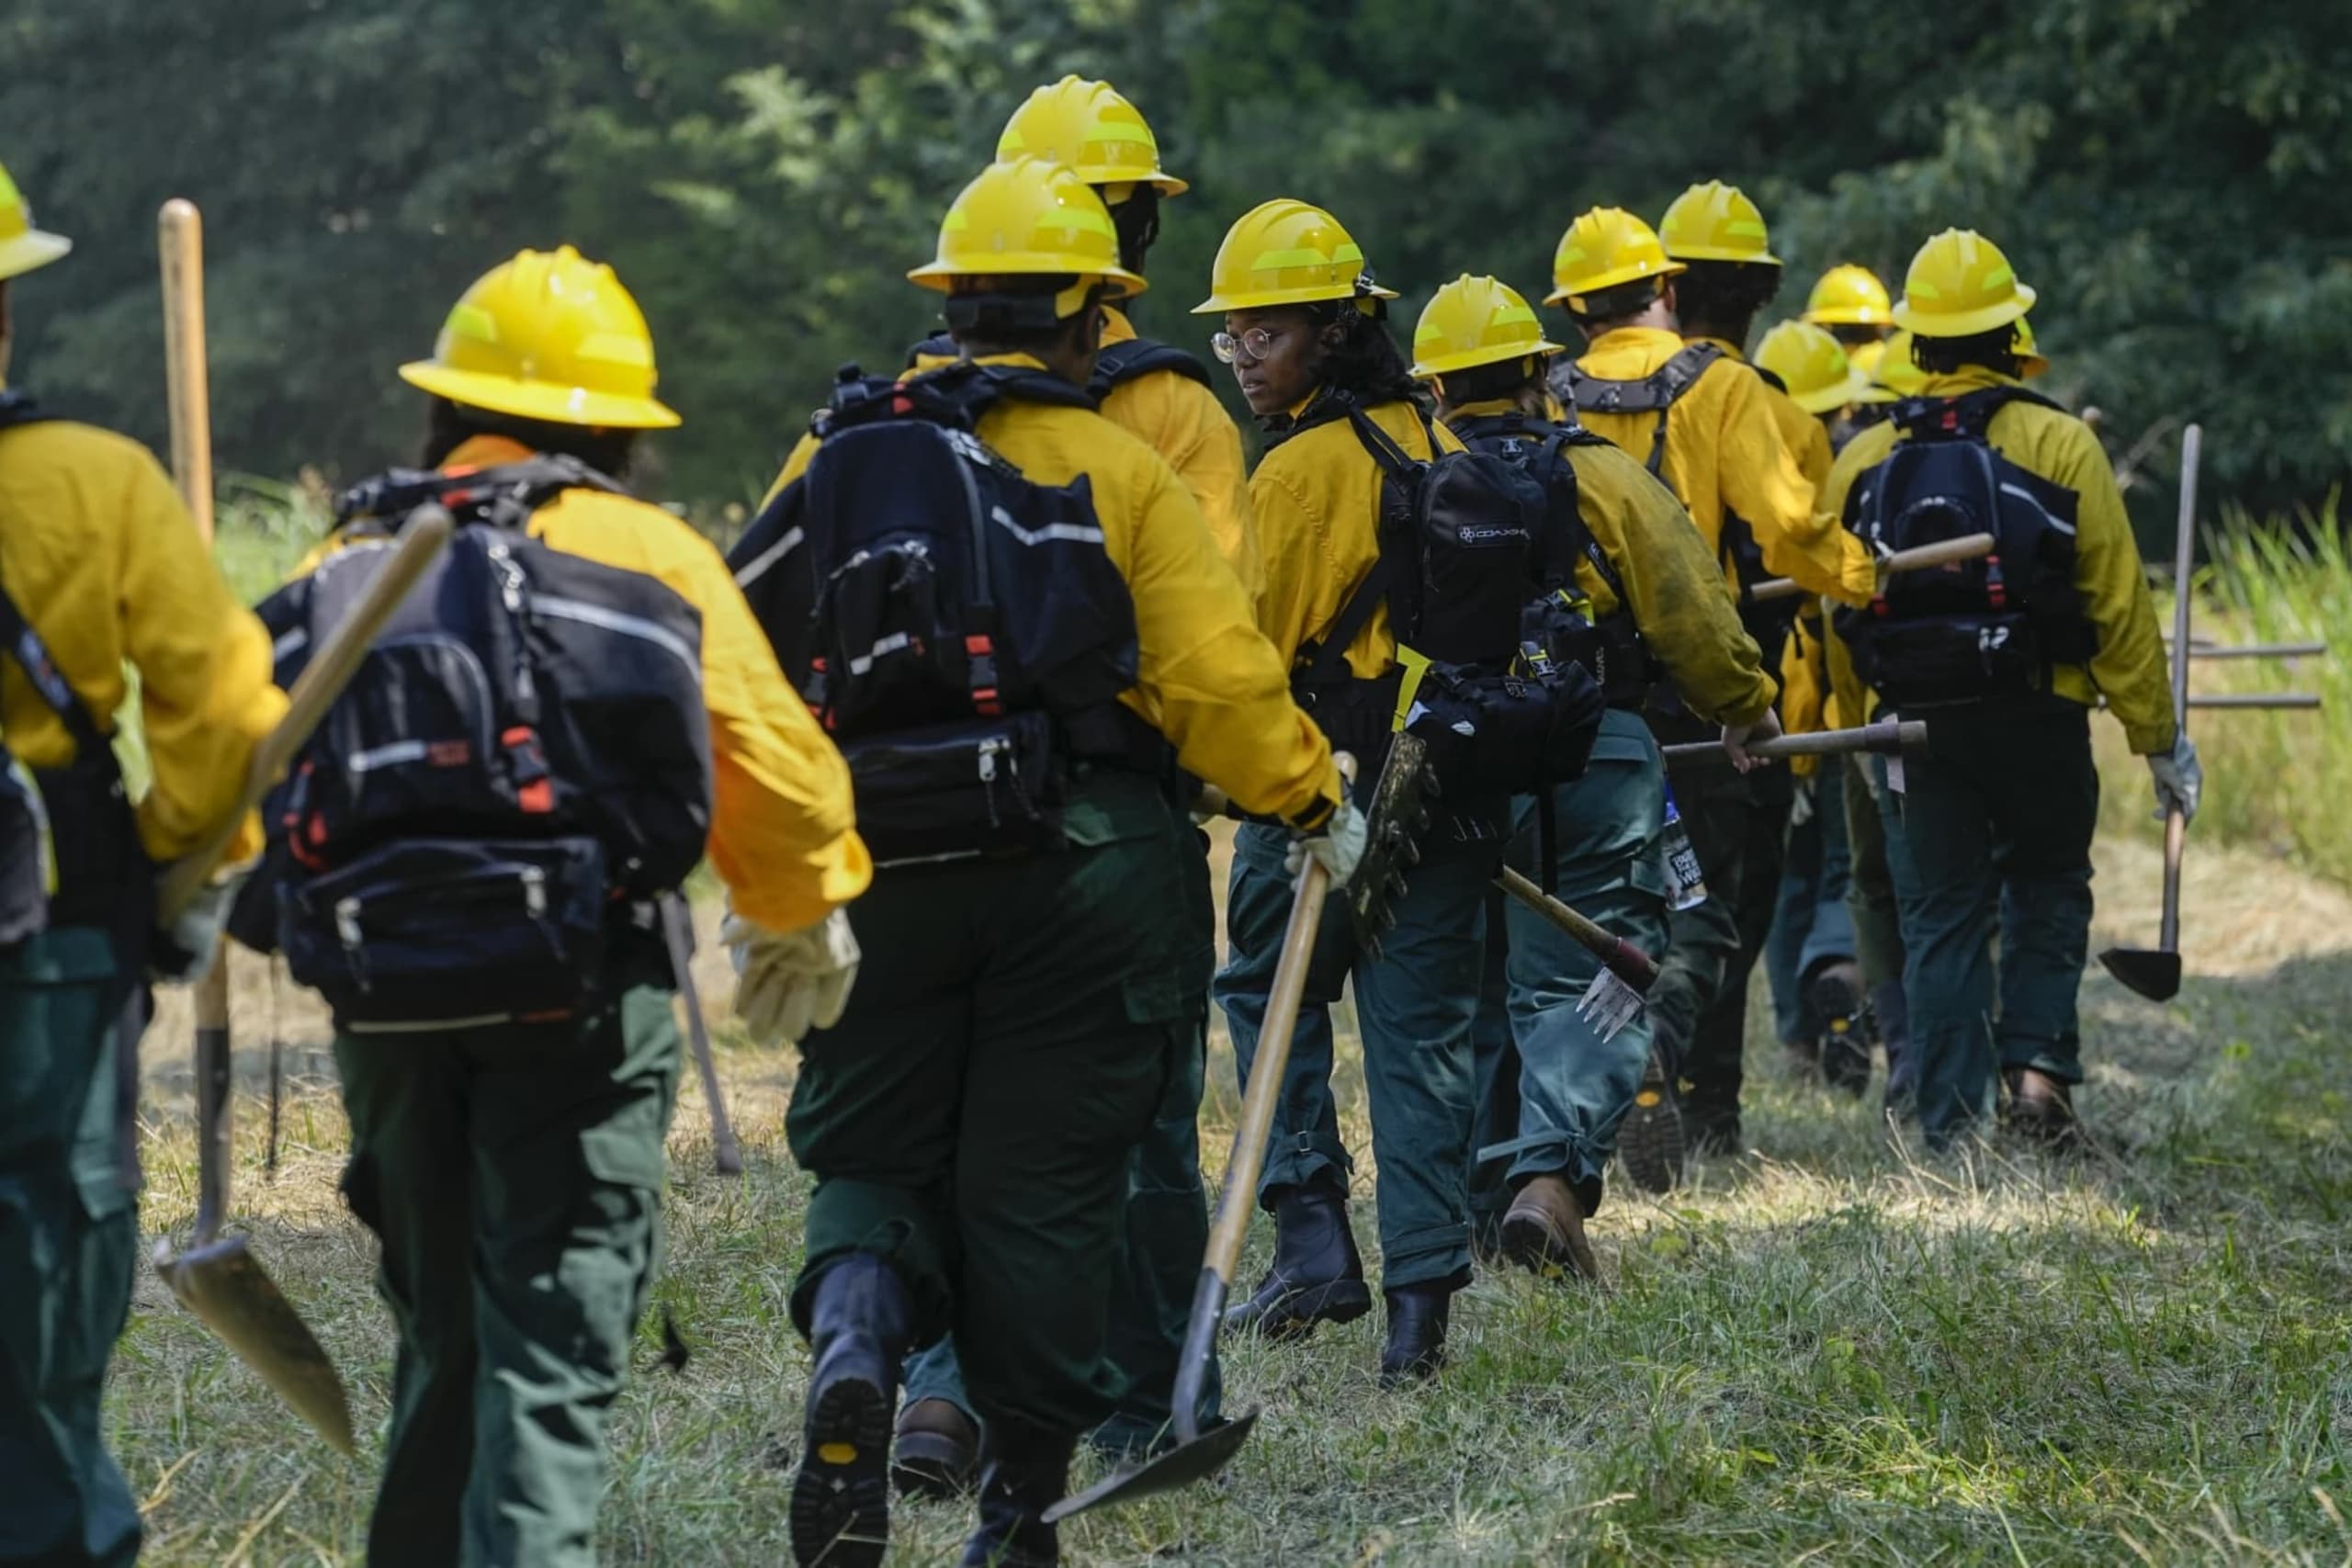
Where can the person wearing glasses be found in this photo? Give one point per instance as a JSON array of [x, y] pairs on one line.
[[1305, 331]]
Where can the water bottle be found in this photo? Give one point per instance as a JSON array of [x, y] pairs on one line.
[[1686, 884]]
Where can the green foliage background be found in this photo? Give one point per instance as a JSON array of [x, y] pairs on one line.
[[2167, 171]]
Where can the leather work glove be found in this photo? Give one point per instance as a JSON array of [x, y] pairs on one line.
[[184, 953], [1736, 738], [1337, 846], [2180, 779], [787, 983]]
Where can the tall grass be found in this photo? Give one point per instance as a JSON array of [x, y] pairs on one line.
[[2273, 779]]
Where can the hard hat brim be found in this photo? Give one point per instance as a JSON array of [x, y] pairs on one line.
[[28, 252], [1837, 395], [1101, 175], [1609, 280], [1965, 323], [539, 399], [940, 276], [1849, 316], [1471, 359], [1309, 294], [1722, 254]]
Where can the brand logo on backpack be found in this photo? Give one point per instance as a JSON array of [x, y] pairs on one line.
[[957, 627], [523, 753], [1978, 629]]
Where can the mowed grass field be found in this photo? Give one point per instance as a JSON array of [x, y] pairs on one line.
[[1831, 1349]]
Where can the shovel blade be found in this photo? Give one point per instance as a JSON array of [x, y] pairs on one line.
[[2152, 971], [1608, 1005], [223, 1283], [1181, 1466]]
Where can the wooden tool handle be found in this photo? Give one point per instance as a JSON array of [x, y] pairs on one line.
[[1625, 961], [179, 236], [1886, 737], [331, 668], [1947, 552]]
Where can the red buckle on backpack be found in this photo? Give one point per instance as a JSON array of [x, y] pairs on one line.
[[533, 790], [981, 651], [1995, 590]]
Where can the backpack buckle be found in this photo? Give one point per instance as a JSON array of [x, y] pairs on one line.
[[980, 651]]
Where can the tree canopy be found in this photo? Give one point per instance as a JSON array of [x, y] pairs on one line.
[[762, 172]]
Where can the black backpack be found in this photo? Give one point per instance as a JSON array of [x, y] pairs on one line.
[[521, 761], [959, 628], [1463, 537], [69, 844], [1981, 628], [1561, 621], [1115, 364], [1658, 393]]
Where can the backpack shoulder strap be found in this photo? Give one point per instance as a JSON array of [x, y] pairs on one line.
[[1551, 460], [18, 407], [1771, 379], [1967, 417], [21, 642], [1657, 391], [1120, 363], [939, 345]]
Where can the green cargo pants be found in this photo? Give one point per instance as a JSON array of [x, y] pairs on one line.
[[1164, 1232], [513, 1177], [1573, 1089], [1738, 823], [69, 1234], [971, 1117], [1992, 826]]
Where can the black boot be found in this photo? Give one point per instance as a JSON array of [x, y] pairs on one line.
[[1416, 1348], [1025, 1474], [1317, 1275], [860, 1325], [1836, 993]]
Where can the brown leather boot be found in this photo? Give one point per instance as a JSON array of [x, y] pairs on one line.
[[1544, 1231], [938, 1450], [2041, 1108]]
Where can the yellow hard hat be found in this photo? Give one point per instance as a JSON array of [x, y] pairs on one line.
[[1603, 248], [22, 246], [1089, 126], [1960, 284], [1476, 321], [2032, 361], [1026, 218], [1715, 222], [1286, 253], [1848, 296], [1895, 375], [1813, 365], [548, 335]]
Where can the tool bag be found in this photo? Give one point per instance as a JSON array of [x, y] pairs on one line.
[[959, 628], [70, 852], [1975, 629], [1561, 624], [1736, 546], [1462, 537], [521, 764]]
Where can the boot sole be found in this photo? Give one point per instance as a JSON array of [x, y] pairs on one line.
[[841, 1498], [1300, 1312], [1651, 1145], [925, 1464], [1534, 1247]]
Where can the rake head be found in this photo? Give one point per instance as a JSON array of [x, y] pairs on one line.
[[1608, 1005]]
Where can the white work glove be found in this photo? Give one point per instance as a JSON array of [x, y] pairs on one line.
[[1337, 846], [1737, 737], [184, 952], [2180, 779], [1800, 810], [787, 983]]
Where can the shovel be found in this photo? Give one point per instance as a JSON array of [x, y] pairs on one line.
[[1943, 552], [1199, 1454], [2154, 972], [1615, 998], [1887, 738], [218, 1278]]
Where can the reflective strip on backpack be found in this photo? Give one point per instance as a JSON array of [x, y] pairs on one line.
[[390, 756], [2031, 500], [891, 644], [290, 645], [617, 621], [756, 568], [1051, 532]]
